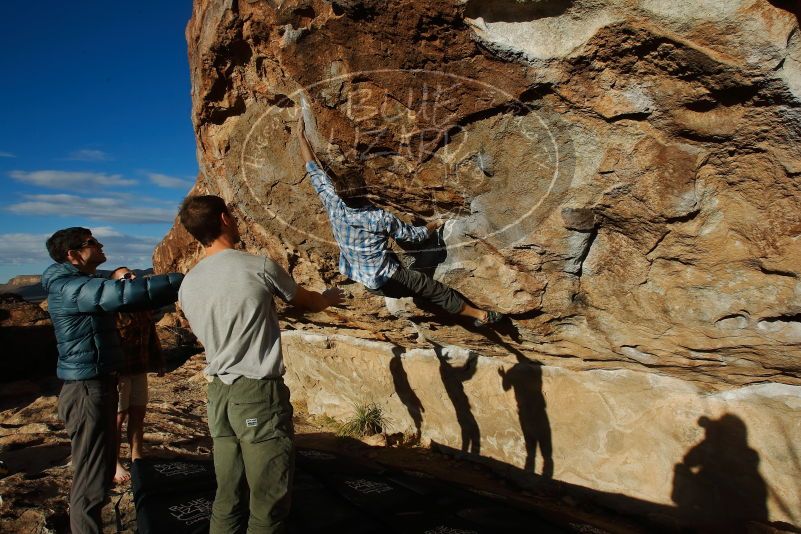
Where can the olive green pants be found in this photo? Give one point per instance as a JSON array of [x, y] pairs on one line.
[[251, 425]]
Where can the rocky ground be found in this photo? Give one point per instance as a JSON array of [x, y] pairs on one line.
[[36, 472]]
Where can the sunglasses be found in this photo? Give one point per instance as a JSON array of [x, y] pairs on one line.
[[128, 276], [91, 242]]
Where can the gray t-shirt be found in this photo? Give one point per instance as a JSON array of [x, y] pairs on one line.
[[228, 300]]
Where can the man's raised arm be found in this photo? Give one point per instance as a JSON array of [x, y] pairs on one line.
[[401, 231], [314, 301], [305, 149], [319, 179], [95, 295]]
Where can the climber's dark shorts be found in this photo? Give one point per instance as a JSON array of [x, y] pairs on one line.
[[408, 283]]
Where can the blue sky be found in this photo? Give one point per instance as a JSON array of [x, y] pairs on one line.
[[95, 128]]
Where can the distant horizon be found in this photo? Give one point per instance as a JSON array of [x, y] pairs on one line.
[[7, 282], [137, 270], [99, 134]]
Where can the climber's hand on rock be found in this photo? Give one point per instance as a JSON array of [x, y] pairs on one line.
[[435, 225], [305, 149]]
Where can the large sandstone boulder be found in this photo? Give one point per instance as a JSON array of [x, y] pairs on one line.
[[622, 178]]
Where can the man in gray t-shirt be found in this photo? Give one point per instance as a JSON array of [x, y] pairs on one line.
[[228, 299]]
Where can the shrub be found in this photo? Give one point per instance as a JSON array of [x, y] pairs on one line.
[[367, 420]]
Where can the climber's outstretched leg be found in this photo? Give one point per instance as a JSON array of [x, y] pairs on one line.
[[408, 283]]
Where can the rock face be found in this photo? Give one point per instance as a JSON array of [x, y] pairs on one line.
[[27, 286], [622, 178], [651, 445], [23, 280]]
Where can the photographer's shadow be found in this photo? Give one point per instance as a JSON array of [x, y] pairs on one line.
[[717, 485]]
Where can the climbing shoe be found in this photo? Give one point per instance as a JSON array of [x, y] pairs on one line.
[[492, 318]]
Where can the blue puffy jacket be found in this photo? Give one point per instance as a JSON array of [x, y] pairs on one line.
[[81, 307]]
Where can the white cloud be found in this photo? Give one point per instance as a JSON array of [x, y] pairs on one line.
[[135, 252], [18, 249], [69, 179], [162, 180], [88, 154], [108, 209], [4, 154], [105, 231]]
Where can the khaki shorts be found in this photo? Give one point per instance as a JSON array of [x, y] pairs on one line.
[[133, 391]]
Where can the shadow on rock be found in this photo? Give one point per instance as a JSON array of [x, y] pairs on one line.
[[425, 256], [178, 345], [453, 378], [33, 460], [404, 390], [515, 10], [525, 378], [717, 484]]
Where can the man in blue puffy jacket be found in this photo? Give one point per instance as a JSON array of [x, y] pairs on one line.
[[81, 305]]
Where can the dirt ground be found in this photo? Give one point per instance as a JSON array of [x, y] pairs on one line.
[[35, 473]]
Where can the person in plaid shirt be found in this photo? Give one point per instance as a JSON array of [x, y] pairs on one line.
[[363, 231]]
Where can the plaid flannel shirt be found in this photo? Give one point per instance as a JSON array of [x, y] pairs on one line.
[[363, 234]]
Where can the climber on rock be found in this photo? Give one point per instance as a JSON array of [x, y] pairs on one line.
[[363, 231]]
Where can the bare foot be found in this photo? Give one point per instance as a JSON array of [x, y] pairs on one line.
[[121, 476]]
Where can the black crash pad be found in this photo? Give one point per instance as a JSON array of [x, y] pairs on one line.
[[333, 493]]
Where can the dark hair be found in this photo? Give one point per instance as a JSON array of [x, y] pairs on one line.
[[65, 240], [111, 274], [200, 215], [351, 187]]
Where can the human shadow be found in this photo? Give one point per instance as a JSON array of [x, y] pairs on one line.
[[525, 378], [404, 390], [717, 484], [453, 379]]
